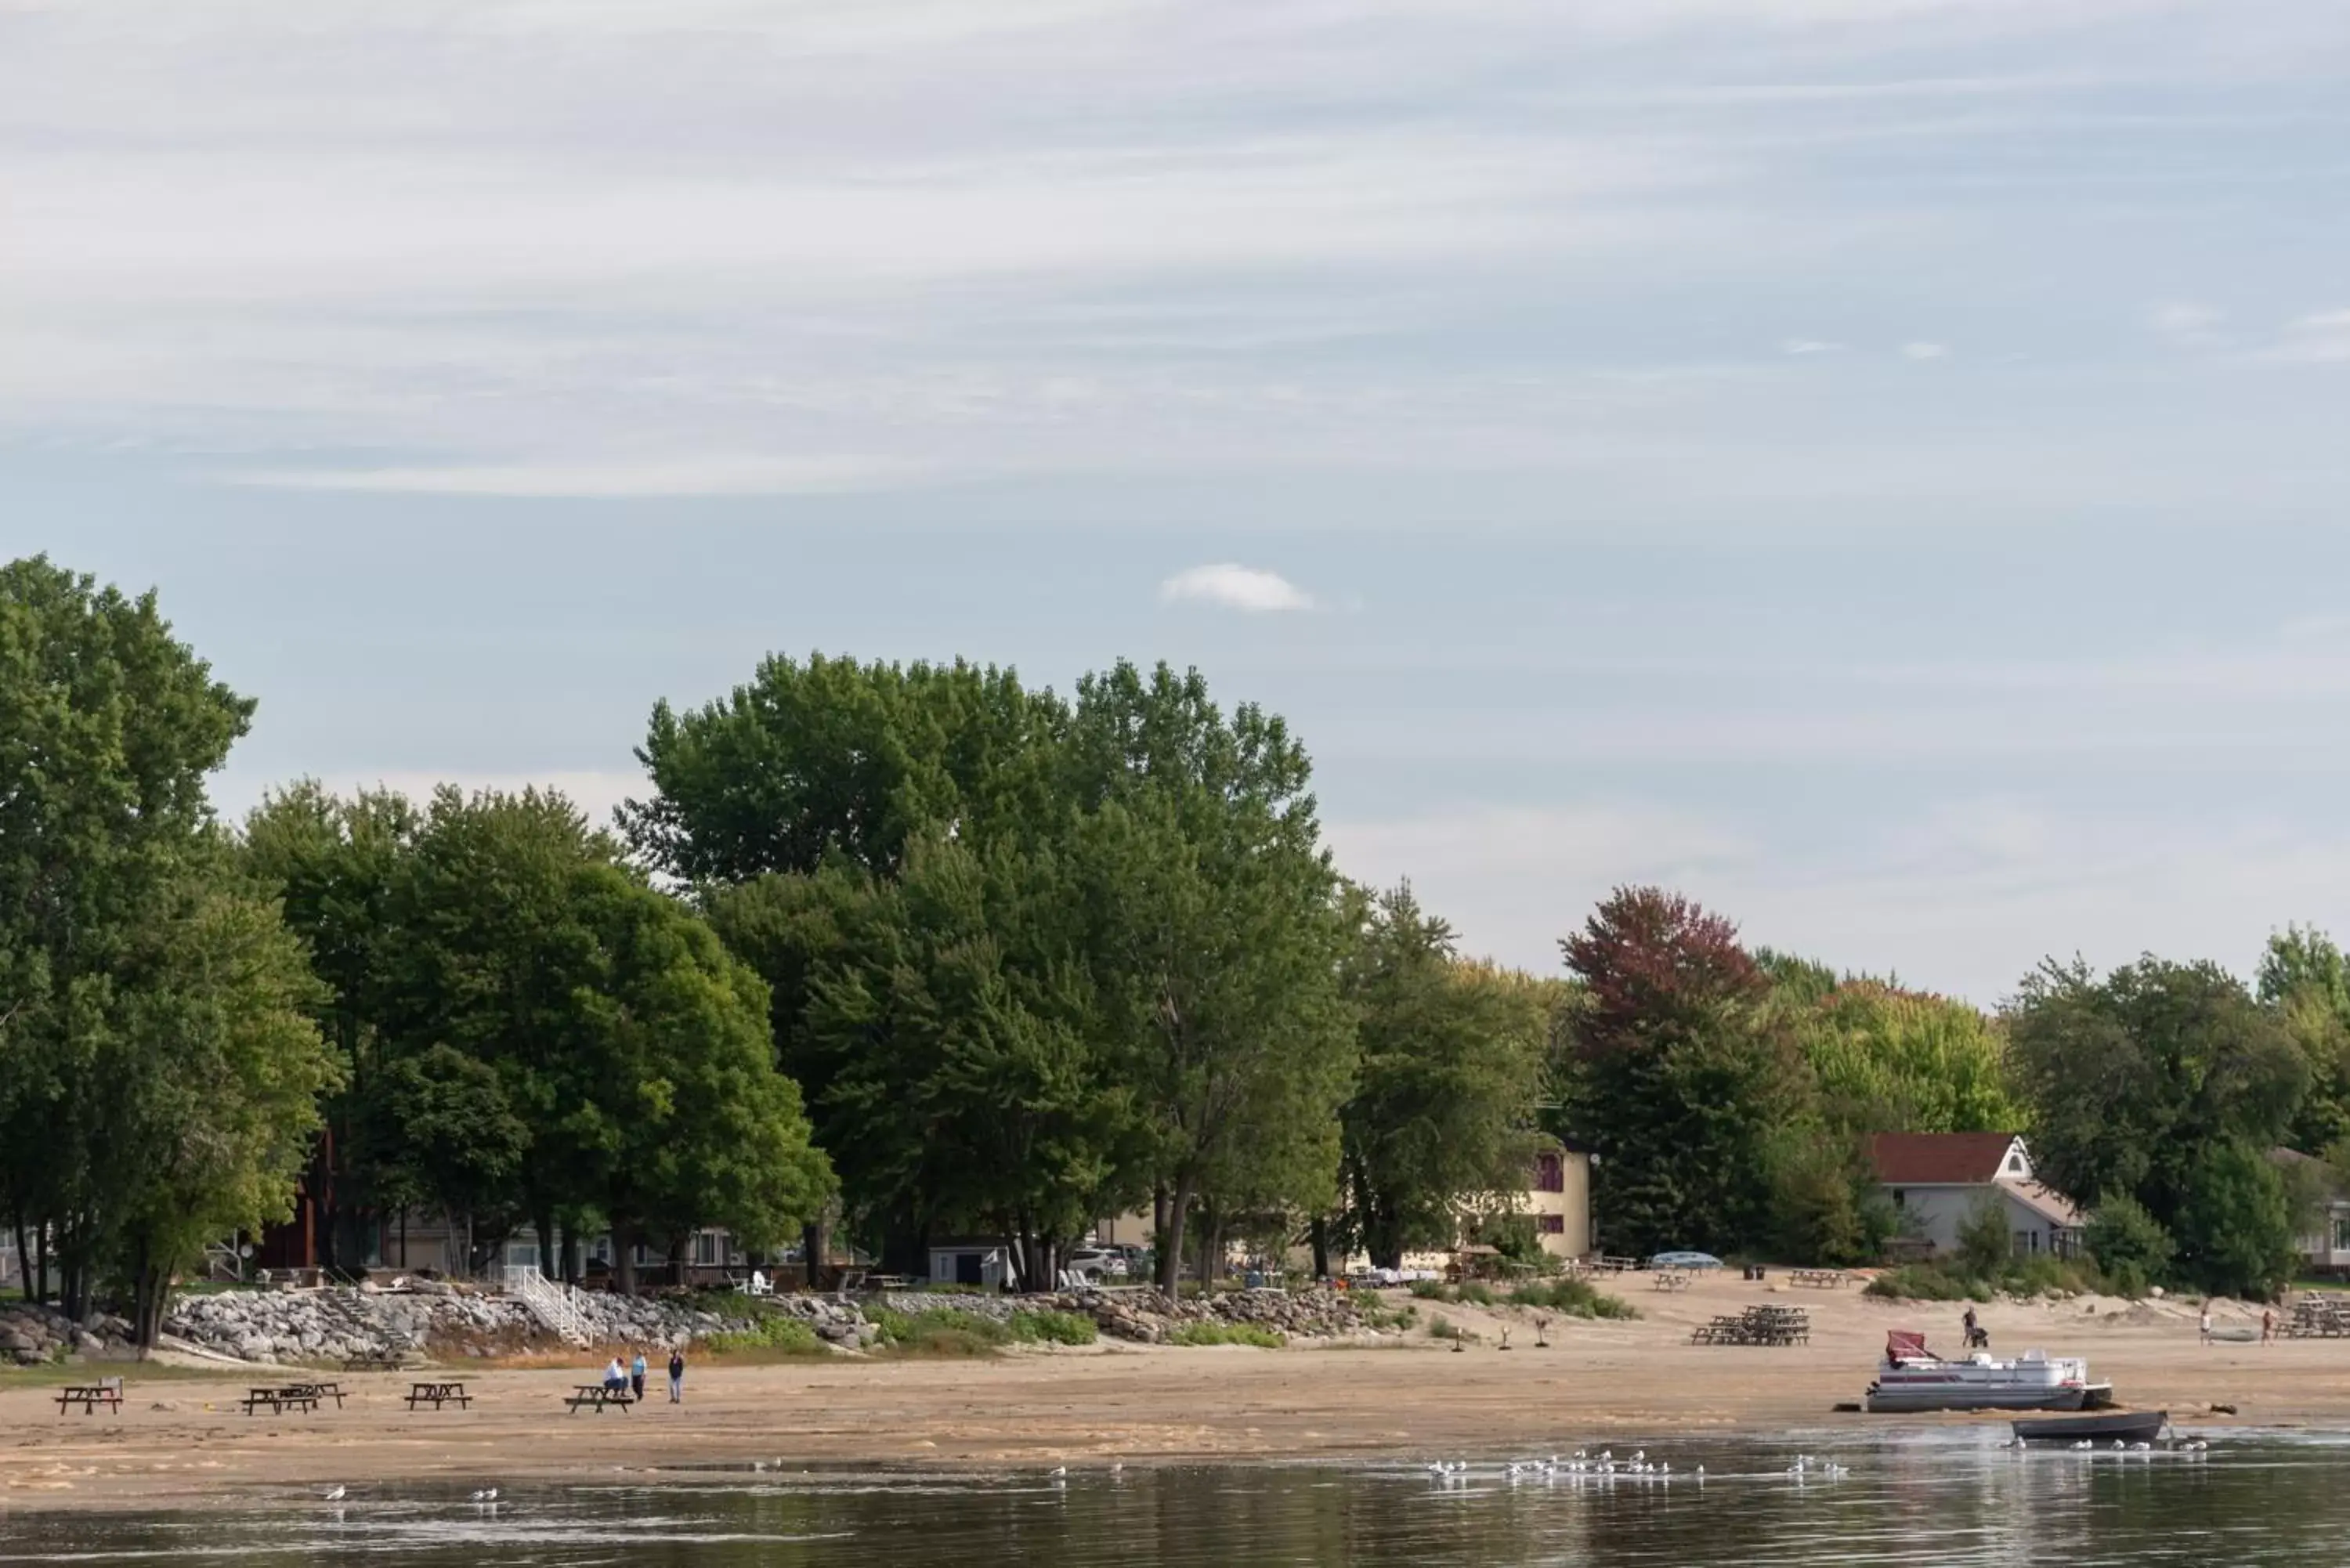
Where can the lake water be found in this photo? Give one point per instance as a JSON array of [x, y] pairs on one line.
[[1943, 1498]]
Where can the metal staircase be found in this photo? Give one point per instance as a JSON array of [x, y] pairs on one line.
[[549, 1302]]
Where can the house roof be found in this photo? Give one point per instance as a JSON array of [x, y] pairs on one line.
[[1939, 1160], [2046, 1201]]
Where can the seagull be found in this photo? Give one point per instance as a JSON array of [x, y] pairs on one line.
[[333, 1494], [488, 1494], [2083, 1446], [1117, 1466], [1059, 1472]]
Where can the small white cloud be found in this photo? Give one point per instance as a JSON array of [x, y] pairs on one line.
[[1802, 346], [1235, 587], [1920, 352], [2188, 324]]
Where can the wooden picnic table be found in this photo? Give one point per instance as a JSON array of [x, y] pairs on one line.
[[598, 1396], [439, 1393], [279, 1397], [90, 1396], [1667, 1280], [1821, 1278], [1756, 1325]]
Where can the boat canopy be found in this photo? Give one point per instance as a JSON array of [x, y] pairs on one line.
[[1905, 1345]]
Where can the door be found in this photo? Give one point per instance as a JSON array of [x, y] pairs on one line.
[[971, 1269]]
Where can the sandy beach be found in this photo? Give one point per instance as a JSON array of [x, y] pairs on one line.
[[182, 1441]]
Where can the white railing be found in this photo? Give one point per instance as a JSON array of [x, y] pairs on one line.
[[549, 1302]]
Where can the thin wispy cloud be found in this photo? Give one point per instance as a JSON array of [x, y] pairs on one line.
[[1921, 352], [1235, 587], [718, 474], [2187, 325], [2320, 338], [1800, 347]]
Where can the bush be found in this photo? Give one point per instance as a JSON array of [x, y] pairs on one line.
[[2127, 1242], [1442, 1327], [1197, 1334], [1430, 1291], [945, 1332], [1985, 1247], [1573, 1298], [1052, 1327], [1926, 1283], [770, 1332], [1474, 1293]]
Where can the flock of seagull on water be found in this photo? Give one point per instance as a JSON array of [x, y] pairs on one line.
[[1579, 1464]]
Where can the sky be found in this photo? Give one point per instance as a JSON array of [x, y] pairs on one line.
[[1878, 466]]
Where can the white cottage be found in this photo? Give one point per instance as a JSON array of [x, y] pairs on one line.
[[1936, 1180]]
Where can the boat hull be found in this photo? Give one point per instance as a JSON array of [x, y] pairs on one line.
[[2115, 1425], [1913, 1400]]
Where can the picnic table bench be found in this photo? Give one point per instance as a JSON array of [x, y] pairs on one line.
[[90, 1396], [374, 1362], [1756, 1325], [439, 1393], [1671, 1279], [1822, 1279], [279, 1398], [598, 1395]]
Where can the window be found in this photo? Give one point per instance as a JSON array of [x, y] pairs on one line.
[[1550, 1173], [707, 1249], [2341, 1232], [1551, 1225]]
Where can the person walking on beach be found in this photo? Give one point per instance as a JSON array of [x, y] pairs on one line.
[[637, 1377], [2206, 1331], [2268, 1325], [677, 1375]]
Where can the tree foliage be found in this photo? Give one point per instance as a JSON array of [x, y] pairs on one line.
[[1440, 1125], [2166, 1082], [157, 1073], [1688, 1071]]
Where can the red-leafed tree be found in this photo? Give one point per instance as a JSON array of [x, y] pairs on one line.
[[1686, 1073]]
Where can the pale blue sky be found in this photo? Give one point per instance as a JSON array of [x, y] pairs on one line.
[[1876, 464]]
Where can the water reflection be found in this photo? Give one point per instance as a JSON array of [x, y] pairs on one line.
[[1939, 1501]]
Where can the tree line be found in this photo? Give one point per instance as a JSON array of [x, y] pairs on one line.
[[919, 950]]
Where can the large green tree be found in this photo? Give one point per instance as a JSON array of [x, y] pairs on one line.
[[157, 1073], [2166, 1083], [1440, 1125], [1688, 1073], [1215, 929]]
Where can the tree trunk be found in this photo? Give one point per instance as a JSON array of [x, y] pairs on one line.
[[24, 1258], [1211, 1245], [624, 1257], [542, 1220], [816, 1246], [41, 1262], [151, 1289], [1319, 1233], [1169, 1235]]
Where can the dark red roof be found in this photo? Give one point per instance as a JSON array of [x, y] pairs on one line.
[[1928, 1160]]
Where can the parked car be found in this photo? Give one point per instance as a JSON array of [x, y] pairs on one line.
[[1096, 1263], [1685, 1261]]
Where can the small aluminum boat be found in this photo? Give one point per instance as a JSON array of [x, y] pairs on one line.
[[2104, 1426]]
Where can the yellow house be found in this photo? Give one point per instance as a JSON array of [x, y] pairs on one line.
[[1558, 1196]]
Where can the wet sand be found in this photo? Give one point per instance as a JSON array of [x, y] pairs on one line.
[[183, 1440]]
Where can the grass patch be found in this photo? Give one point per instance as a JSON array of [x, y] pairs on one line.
[[1377, 1316], [1945, 1282], [1046, 1327], [772, 1334], [1567, 1297], [1573, 1298], [1196, 1334], [946, 1334], [1442, 1327]]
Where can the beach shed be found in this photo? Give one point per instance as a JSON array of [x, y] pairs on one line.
[[1936, 1180], [977, 1261]]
